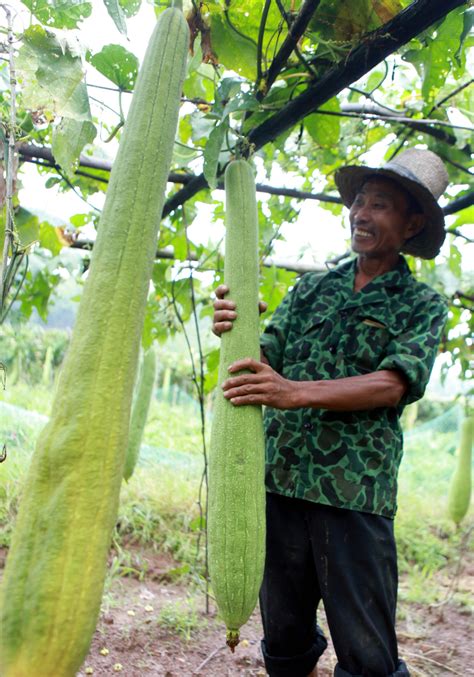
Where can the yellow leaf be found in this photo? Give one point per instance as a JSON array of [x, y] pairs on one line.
[[386, 9], [353, 19]]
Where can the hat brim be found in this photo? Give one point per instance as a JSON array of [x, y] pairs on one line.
[[427, 243]]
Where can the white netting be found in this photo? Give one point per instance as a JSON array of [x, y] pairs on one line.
[[427, 465]]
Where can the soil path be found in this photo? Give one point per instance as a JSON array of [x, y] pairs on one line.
[[155, 628]]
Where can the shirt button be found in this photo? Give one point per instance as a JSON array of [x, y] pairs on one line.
[[307, 425], [332, 349]]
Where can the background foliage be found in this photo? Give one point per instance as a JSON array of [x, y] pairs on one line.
[[69, 126]]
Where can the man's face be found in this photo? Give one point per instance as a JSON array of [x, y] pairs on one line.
[[380, 219]]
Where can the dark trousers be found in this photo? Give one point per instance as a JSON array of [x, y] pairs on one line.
[[346, 559]]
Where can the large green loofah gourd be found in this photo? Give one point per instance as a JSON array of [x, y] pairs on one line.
[[141, 405], [461, 482], [53, 582], [236, 518]]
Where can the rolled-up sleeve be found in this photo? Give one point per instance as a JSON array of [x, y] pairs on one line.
[[413, 351]]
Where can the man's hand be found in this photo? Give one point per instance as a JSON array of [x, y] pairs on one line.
[[262, 386], [383, 388], [224, 311]]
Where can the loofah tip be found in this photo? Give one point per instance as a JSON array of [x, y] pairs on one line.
[[232, 639]]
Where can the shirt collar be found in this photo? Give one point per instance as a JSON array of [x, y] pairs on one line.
[[399, 276], [375, 299]]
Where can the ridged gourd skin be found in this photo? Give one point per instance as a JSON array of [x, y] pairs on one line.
[[236, 506], [141, 405], [459, 496], [53, 582]]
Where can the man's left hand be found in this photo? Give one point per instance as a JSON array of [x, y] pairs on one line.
[[262, 386]]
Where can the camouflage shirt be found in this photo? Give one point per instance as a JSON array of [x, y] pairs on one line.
[[323, 330]]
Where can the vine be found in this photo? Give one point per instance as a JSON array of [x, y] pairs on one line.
[[9, 262], [198, 378]]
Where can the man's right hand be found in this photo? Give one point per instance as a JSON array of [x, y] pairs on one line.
[[224, 311]]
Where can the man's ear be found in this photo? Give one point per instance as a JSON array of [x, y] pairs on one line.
[[415, 225]]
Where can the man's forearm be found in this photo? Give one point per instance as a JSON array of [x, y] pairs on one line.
[[255, 382], [355, 393]]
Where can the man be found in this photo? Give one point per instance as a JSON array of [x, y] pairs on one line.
[[341, 357]]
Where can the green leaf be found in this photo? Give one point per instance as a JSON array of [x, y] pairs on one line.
[[211, 152], [185, 129], [52, 76], [436, 59], [180, 246], [49, 238], [59, 13], [198, 523], [130, 7], [201, 125], [325, 129], [69, 138], [454, 262], [468, 26], [182, 155], [199, 82], [116, 13], [80, 220], [232, 49], [466, 216], [375, 78], [77, 105], [176, 572], [344, 21], [195, 61], [212, 370], [235, 30], [118, 65], [52, 181], [36, 292], [230, 97], [27, 227], [274, 286], [242, 101], [228, 88]]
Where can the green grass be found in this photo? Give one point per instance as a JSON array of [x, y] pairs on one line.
[[159, 509], [176, 427], [181, 618], [36, 398]]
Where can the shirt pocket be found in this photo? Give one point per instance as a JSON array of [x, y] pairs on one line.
[[367, 343], [305, 339]]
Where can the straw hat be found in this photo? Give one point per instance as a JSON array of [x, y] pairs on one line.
[[421, 173]]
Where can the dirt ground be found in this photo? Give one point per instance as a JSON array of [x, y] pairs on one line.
[[153, 627]]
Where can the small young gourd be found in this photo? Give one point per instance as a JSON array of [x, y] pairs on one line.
[[141, 405], [460, 486], [236, 516]]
